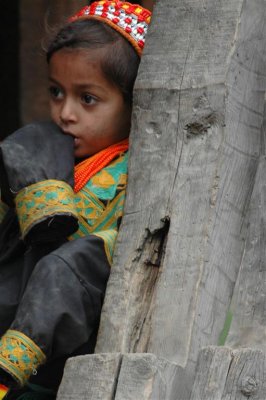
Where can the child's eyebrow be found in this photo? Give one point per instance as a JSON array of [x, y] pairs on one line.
[[80, 86]]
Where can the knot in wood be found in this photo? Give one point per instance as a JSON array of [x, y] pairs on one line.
[[197, 128], [249, 386]]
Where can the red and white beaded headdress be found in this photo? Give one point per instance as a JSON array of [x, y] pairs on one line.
[[131, 20]]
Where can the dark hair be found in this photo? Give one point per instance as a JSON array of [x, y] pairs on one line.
[[120, 61]]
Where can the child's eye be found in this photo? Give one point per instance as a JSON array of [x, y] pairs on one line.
[[55, 92], [88, 99]]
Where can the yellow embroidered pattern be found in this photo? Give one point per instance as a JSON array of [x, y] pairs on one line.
[[19, 355], [103, 222], [100, 204], [42, 199], [109, 238]]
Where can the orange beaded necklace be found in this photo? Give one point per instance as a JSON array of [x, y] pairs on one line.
[[89, 167]]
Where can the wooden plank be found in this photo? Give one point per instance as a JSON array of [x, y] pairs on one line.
[[203, 202], [214, 183], [144, 376], [248, 326], [224, 374], [119, 377], [212, 369], [90, 377], [246, 377]]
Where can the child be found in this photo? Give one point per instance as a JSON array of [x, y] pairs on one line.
[[51, 288]]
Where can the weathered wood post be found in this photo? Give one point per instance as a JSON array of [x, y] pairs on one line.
[[195, 149]]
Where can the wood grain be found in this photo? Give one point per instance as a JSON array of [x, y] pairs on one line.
[[224, 374], [144, 376], [248, 327], [90, 377]]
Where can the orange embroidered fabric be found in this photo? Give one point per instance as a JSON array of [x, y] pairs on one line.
[[89, 167]]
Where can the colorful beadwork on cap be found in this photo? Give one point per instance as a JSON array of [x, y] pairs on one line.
[[131, 20]]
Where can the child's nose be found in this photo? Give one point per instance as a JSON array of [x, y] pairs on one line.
[[68, 112]]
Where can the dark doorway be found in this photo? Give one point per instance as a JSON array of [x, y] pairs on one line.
[[9, 67]]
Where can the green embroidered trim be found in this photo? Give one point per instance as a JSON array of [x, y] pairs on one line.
[[109, 238], [89, 207], [105, 225], [105, 183], [19, 355], [41, 200], [95, 217], [3, 210], [112, 213]]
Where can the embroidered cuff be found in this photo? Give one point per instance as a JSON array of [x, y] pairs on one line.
[[19, 356], [42, 200]]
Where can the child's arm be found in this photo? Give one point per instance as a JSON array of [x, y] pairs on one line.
[[36, 176], [60, 308]]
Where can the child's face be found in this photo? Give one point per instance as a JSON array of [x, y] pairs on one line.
[[84, 103]]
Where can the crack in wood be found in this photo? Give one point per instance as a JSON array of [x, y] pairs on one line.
[[117, 378], [145, 280], [156, 242]]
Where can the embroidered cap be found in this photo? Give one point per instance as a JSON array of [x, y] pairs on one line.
[[131, 20]]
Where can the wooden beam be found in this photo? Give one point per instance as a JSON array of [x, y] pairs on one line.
[[119, 377], [248, 327], [195, 146], [144, 376], [90, 377], [212, 369], [226, 374]]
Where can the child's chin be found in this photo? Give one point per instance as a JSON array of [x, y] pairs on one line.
[[79, 156], [78, 153]]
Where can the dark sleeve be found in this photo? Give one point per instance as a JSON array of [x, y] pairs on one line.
[[61, 313], [36, 177]]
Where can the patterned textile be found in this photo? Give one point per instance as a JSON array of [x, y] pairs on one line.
[[89, 167], [19, 355], [100, 204], [40, 200]]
